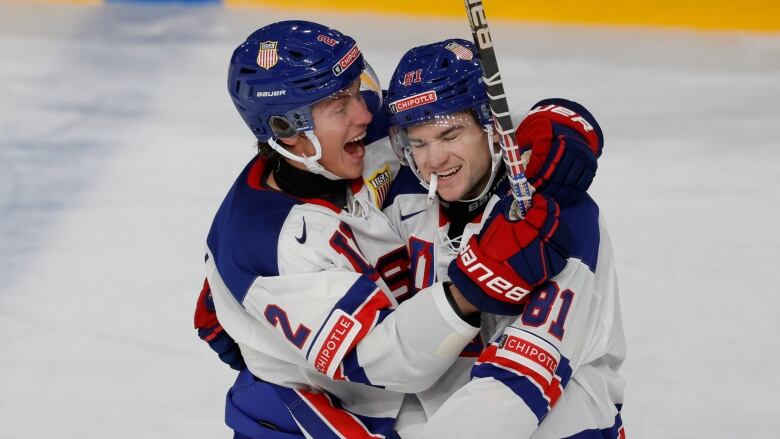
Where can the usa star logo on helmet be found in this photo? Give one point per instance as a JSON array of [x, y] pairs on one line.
[[460, 51], [267, 56]]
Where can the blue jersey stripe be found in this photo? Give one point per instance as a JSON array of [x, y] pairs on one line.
[[519, 384], [564, 371], [354, 371], [604, 433], [582, 218]]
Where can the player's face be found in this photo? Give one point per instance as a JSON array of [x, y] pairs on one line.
[[455, 148], [340, 124]]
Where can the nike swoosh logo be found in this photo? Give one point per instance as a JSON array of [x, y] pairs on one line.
[[302, 238], [406, 217]]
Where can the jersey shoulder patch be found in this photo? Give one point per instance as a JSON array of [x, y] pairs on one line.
[[405, 183], [380, 169]]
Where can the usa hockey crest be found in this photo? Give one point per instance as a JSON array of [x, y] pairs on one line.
[[268, 56], [460, 51], [379, 183]]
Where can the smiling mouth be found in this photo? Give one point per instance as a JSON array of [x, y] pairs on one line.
[[448, 173], [355, 147]]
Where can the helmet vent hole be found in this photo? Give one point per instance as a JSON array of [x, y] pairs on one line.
[[246, 71], [296, 55]]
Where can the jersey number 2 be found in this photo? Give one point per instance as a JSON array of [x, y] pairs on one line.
[[278, 316]]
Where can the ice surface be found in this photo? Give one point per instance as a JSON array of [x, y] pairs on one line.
[[118, 141]]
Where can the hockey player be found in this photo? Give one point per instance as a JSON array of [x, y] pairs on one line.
[[303, 268], [552, 373]]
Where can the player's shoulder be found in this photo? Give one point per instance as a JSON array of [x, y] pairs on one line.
[[581, 217], [405, 183], [256, 226], [243, 236]]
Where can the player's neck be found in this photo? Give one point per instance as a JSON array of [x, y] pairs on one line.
[[461, 213], [304, 184]]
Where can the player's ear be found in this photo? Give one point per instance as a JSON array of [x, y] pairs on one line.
[[292, 141], [297, 144], [495, 139]]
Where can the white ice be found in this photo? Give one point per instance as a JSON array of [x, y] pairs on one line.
[[118, 141]]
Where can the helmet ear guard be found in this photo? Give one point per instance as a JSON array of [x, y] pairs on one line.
[[281, 127]]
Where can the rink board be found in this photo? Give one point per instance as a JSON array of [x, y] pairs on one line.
[[750, 15]]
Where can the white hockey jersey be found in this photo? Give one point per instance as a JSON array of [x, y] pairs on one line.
[[551, 373], [309, 292]]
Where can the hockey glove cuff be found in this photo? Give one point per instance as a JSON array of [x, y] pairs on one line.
[[212, 332]]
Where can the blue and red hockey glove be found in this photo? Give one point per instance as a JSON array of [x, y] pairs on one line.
[[564, 140], [212, 332], [500, 267]]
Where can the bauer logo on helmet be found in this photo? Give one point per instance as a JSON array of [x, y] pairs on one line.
[[267, 55], [270, 94]]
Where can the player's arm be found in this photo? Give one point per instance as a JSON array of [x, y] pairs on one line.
[[330, 311], [527, 367]]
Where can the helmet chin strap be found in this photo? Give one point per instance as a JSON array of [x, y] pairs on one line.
[[495, 160], [312, 163]]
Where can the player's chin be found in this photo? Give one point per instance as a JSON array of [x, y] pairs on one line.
[[352, 168], [449, 193], [452, 189]]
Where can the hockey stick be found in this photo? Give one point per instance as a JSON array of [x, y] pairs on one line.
[[498, 105]]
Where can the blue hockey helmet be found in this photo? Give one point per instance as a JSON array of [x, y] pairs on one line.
[[435, 79], [282, 69], [431, 83]]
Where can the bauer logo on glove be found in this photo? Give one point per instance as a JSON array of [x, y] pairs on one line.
[[498, 269], [490, 282]]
